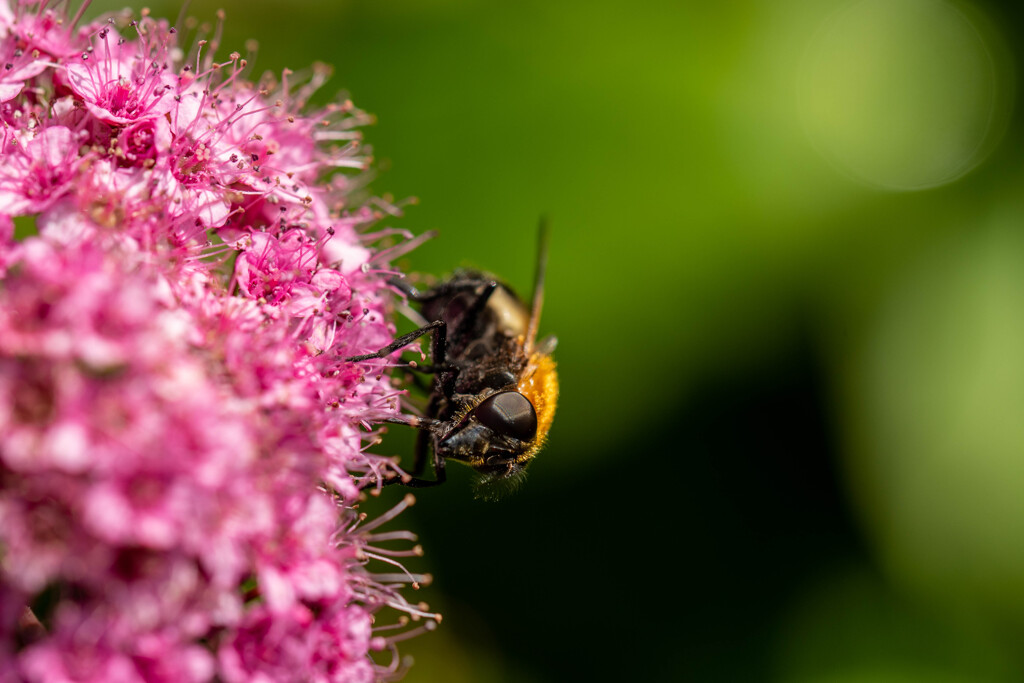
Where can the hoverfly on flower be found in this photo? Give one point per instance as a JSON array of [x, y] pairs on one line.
[[495, 386]]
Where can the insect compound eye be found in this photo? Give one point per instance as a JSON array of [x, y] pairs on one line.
[[510, 414]]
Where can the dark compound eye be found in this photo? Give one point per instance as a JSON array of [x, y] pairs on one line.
[[509, 413]]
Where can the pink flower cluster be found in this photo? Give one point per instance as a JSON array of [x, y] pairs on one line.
[[182, 443]]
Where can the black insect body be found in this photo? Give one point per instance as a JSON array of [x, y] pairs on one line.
[[494, 392]]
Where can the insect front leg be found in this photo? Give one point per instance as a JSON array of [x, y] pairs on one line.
[[427, 429], [438, 345], [440, 475], [423, 440], [422, 444], [426, 425], [416, 482]]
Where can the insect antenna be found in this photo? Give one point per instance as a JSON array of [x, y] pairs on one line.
[[538, 285]]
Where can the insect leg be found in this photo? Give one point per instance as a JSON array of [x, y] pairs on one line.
[[439, 471], [438, 327], [415, 482], [446, 373], [439, 346], [426, 426], [422, 444], [424, 423], [440, 475]]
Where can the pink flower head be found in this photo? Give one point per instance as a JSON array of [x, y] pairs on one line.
[[122, 82], [183, 443], [42, 30], [139, 143], [37, 168]]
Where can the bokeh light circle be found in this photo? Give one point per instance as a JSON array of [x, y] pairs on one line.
[[935, 457], [903, 94]]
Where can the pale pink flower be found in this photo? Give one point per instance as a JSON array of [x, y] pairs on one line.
[[46, 31], [38, 168], [182, 442], [122, 82]]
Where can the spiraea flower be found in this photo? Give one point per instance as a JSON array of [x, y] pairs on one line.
[[183, 445]]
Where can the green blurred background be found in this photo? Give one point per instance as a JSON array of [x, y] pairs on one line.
[[787, 276]]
